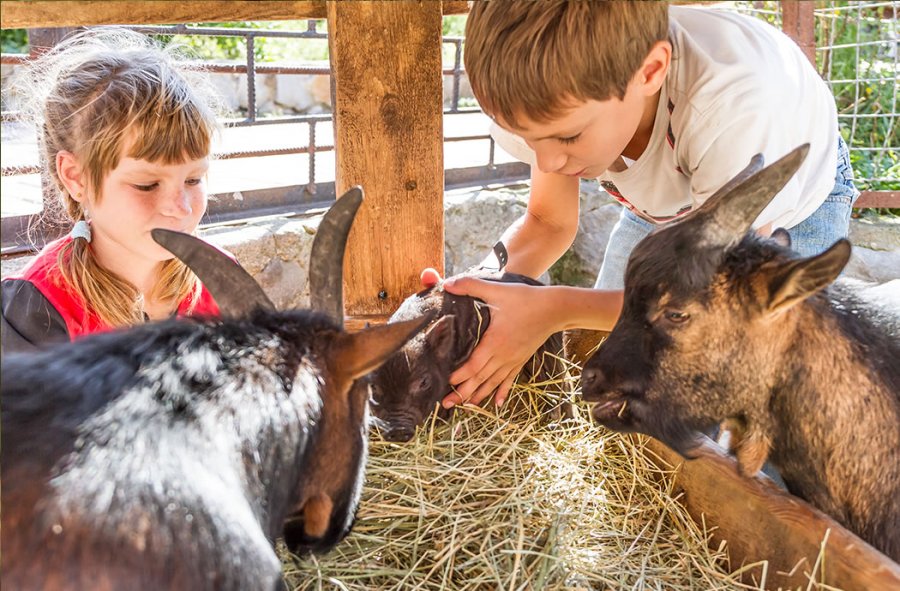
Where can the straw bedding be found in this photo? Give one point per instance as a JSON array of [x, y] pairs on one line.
[[503, 500]]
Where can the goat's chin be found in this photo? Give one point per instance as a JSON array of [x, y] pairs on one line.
[[627, 415]]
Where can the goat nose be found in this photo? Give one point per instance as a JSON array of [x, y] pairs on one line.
[[592, 381], [317, 516], [399, 434]]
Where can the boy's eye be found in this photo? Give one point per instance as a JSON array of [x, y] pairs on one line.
[[146, 188], [569, 140], [193, 182]]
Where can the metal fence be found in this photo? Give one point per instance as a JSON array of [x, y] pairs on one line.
[[855, 47], [22, 233]]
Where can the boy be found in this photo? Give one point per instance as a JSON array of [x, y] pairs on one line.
[[664, 105]]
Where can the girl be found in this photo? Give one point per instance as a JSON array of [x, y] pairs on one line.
[[125, 138]]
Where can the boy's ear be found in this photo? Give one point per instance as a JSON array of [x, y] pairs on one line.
[[70, 173], [794, 281], [652, 74]]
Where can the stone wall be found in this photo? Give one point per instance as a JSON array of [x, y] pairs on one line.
[[276, 250]]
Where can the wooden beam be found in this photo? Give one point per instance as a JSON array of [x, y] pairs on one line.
[[386, 60], [29, 14], [43, 14], [759, 521], [455, 7]]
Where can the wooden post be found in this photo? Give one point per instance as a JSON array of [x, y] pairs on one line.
[[386, 63], [798, 21]]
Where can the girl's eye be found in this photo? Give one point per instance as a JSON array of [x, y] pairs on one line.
[[146, 188], [676, 316], [193, 182], [569, 140]]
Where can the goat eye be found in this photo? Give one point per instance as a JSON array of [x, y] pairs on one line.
[[676, 316], [423, 383]]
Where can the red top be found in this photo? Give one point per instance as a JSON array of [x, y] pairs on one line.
[[44, 273]]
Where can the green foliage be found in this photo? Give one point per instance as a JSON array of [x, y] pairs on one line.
[[864, 84], [13, 41], [265, 49]]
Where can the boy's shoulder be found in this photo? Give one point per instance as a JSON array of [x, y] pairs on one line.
[[722, 59]]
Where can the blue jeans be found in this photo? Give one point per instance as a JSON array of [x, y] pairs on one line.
[[815, 234]]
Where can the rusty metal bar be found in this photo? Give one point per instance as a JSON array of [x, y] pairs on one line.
[[878, 199], [798, 21]]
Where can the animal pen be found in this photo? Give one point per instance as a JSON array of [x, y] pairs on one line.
[[499, 499]]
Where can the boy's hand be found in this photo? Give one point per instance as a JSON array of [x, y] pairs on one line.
[[518, 327]]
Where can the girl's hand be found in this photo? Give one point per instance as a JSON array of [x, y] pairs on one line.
[[429, 277], [520, 323]]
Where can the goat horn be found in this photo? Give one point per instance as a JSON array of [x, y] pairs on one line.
[[326, 265], [234, 290], [729, 213]]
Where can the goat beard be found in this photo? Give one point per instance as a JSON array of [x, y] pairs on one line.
[[681, 435]]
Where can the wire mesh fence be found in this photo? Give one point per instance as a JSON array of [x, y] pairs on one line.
[[857, 50], [856, 47]]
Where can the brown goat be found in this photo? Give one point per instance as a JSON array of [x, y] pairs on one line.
[[171, 455], [719, 324]]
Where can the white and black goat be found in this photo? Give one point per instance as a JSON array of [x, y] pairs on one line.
[[721, 325], [172, 455]]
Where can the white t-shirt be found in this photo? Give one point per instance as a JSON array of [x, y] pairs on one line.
[[736, 87]]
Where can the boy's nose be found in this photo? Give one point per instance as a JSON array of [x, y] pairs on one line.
[[550, 160]]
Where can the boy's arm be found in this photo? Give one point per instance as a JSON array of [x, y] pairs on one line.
[[537, 239], [523, 317]]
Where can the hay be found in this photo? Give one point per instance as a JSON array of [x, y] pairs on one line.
[[501, 500]]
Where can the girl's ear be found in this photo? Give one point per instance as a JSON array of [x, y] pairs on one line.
[[70, 173]]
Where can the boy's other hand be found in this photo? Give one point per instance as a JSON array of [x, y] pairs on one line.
[[518, 327]]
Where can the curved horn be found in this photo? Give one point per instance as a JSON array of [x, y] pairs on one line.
[[729, 213], [326, 265], [234, 290]]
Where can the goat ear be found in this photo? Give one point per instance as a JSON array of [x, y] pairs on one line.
[[440, 337], [355, 354], [728, 214], [782, 237], [796, 280]]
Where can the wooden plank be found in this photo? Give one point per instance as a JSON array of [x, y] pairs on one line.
[[455, 7], [759, 521], [30, 14], [878, 199], [386, 59], [357, 323], [66, 13]]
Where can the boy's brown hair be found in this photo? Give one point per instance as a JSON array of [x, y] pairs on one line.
[[534, 57]]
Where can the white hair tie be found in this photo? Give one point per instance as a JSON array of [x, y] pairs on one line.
[[81, 230]]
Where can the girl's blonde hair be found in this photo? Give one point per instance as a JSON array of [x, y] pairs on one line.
[[529, 58], [93, 94]]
